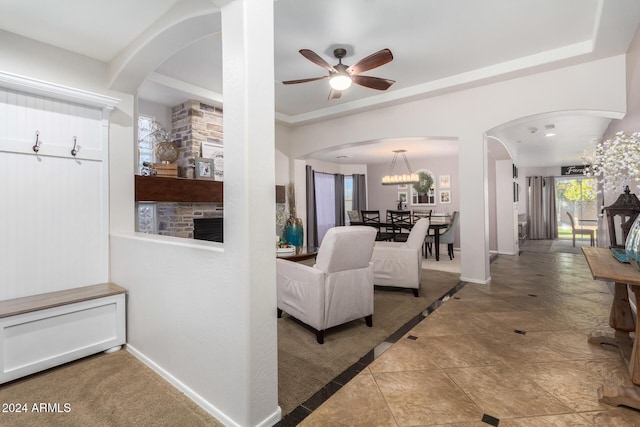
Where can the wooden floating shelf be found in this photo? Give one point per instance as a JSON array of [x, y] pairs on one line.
[[163, 189]]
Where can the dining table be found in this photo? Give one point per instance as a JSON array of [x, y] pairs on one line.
[[436, 224]]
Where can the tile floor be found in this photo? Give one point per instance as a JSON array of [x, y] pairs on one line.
[[512, 353]]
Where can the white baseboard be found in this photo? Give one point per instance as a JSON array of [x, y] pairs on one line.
[[199, 400], [479, 282]]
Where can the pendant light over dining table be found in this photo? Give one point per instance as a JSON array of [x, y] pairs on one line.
[[395, 179]]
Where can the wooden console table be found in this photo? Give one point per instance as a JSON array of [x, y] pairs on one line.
[[605, 267]]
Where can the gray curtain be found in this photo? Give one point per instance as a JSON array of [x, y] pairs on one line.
[[359, 196], [543, 223], [340, 209], [312, 229]]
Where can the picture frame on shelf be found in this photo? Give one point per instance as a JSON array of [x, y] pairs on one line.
[[204, 168], [445, 196], [215, 152], [444, 181]]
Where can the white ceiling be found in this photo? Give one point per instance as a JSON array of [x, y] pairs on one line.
[[438, 46]]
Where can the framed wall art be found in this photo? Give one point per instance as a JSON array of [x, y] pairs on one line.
[[444, 181], [445, 196]]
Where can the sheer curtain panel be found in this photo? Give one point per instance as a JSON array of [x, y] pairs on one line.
[[325, 190]]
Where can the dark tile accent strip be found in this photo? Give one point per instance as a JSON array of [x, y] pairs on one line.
[[488, 419], [301, 412], [533, 295], [294, 417]]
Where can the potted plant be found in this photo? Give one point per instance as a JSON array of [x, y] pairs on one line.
[[423, 186]]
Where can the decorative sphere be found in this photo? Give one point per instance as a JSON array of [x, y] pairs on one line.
[[167, 152]]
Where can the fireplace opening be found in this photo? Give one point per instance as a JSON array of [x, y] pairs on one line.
[[210, 229]]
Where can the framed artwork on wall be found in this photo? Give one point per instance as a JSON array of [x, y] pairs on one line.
[[445, 181], [402, 197], [204, 168], [445, 196]]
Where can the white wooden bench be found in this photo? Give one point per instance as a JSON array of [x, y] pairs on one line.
[[42, 331]]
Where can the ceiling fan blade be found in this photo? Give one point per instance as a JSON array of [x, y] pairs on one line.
[[372, 61], [291, 82], [373, 82], [334, 94], [316, 59]]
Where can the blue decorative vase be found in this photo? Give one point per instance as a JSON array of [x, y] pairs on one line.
[[293, 232], [632, 243]]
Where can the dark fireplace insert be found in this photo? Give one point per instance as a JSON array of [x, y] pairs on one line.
[[208, 229]]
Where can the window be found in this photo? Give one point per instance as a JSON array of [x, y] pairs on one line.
[[146, 151], [348, 196], [576, 195]]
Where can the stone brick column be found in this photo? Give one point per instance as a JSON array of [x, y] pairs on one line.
[[192, 123]]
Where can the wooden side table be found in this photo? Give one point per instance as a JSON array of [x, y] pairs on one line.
[[301, 253], [605, 267]]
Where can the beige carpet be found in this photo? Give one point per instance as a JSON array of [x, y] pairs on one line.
[[107, 390], [305, 367]]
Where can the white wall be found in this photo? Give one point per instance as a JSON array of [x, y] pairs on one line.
[[464, 115], [161, 113]]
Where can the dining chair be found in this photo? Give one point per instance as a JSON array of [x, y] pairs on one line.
[[448, 235], [417, 214], [354, 216], [580, 231], [400, 224], [371, 218]]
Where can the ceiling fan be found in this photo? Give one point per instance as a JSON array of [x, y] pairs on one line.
[[341, 76]]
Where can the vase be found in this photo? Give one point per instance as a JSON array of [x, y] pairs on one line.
[[632, 243], [293, 232]]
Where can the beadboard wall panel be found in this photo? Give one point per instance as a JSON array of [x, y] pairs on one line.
[[54, 218]]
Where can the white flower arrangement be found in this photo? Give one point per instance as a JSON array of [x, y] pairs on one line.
[[616, 162]]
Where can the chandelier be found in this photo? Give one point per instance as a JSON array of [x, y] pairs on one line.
[[394, 179]]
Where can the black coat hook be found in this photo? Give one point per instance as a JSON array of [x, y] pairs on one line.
[[36, 147], [73, 150]]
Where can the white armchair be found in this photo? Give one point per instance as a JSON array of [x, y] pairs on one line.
[[338, 288], [399, 264]]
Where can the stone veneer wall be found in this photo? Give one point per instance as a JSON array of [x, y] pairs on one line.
[[192, 123], [176, 219]]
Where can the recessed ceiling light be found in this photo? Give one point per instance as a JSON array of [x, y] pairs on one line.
[[549, 130], [343, 157], [532, 129]]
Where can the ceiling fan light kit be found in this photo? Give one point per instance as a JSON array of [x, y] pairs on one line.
[[395, 179], [342, 76], [340, 82]]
